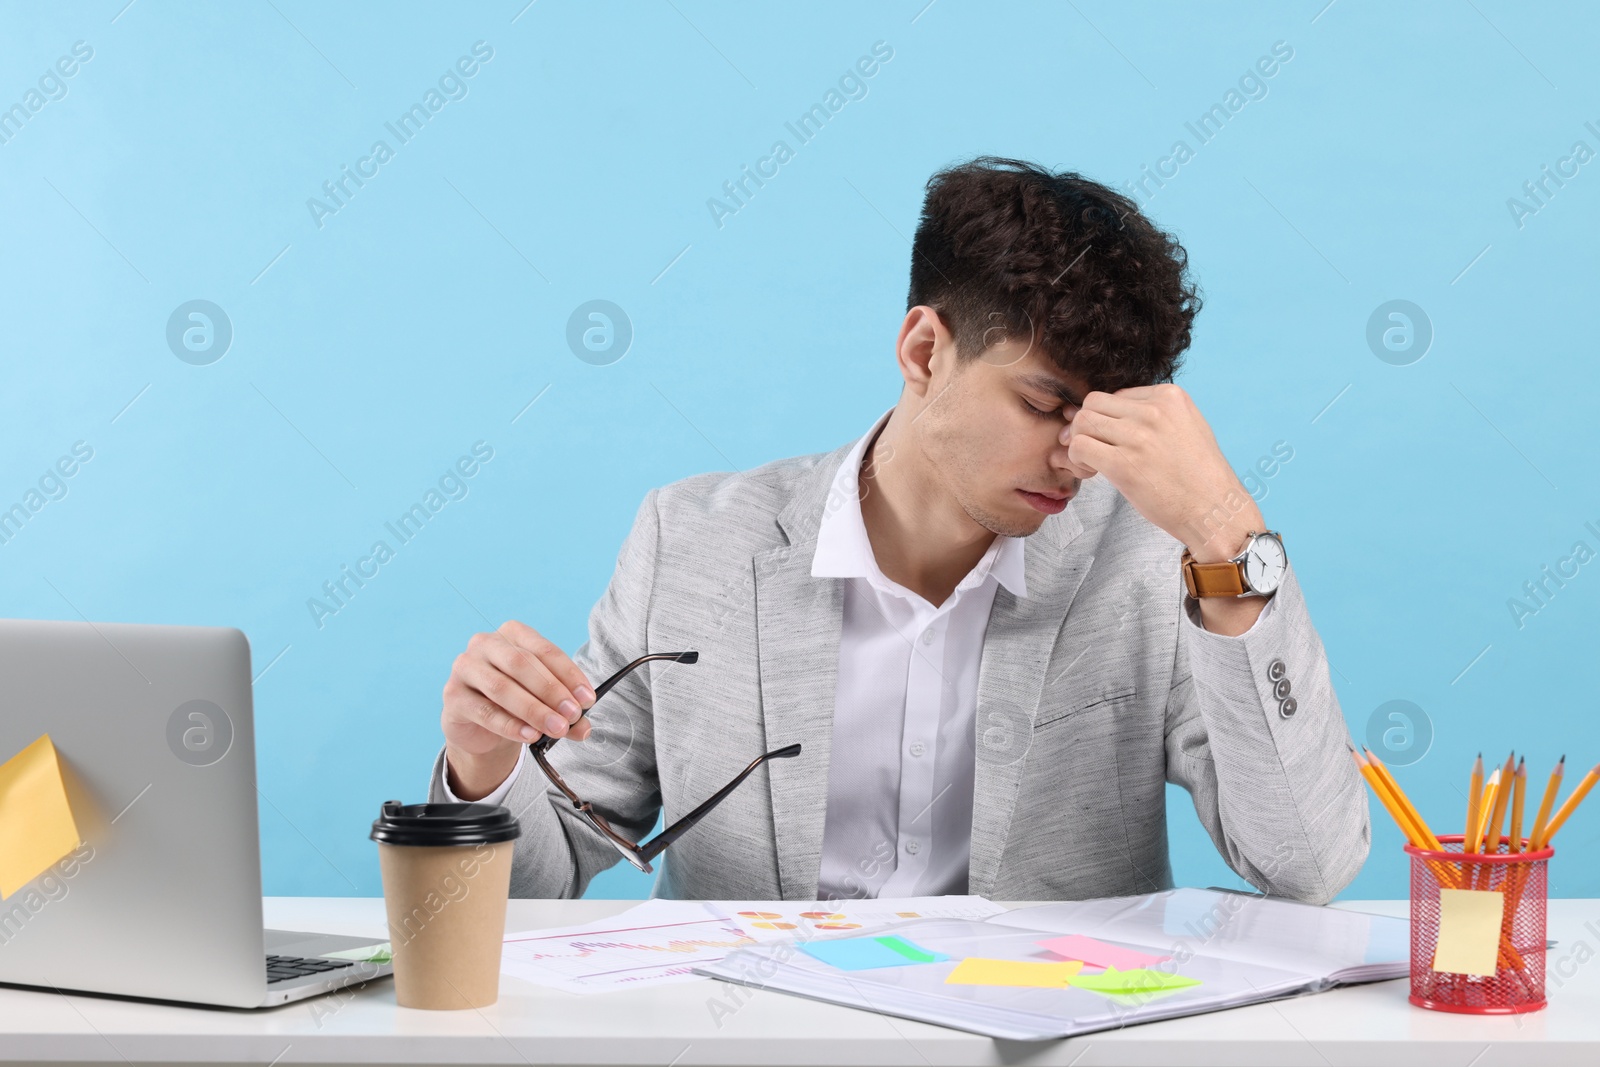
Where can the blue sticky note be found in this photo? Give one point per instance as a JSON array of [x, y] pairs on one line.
[[865, 953], [1190, 913]]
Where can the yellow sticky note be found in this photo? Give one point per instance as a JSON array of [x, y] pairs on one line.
[[975, 970], [1469, 930], [36, 825]]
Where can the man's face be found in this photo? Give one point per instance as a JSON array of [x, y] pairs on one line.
[[992, 431]]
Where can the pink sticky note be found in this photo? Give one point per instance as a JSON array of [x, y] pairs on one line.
[[1099, 954]]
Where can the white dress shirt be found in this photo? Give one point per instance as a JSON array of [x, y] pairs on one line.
[[899, 818], [900, 781]]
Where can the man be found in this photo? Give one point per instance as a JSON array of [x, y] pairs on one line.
[[977, 619]]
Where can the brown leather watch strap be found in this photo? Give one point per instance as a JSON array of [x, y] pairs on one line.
[[1212, 579]]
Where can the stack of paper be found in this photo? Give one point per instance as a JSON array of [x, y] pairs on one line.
[[1062, 969], [1346, 947], [660, 941]]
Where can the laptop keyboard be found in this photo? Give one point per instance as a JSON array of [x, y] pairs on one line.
[[283, 968]]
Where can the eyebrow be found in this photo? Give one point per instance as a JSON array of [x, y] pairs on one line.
[[1054, 386]]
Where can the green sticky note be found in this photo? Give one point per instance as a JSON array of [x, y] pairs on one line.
[[379, 953], [1138, 980], [907, 949]]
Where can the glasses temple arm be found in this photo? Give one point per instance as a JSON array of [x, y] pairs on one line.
[[605, 687], [652, 848], [543, 744]]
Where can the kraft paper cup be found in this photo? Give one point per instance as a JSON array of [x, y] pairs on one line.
[[446, 875]]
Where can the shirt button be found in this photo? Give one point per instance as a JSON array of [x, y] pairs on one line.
[[913, 848], [918, 748], [927, 636], [1276, 670], [1288, 707]]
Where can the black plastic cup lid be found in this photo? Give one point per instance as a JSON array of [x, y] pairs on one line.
[[444, 824]]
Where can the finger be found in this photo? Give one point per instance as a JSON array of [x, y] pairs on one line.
[[492, 684], [556, 661], [1091, 453], [1100, 425], [1121, 404], [529, 671], [469, 704], [581, 729], [1078, 470], [1139, 392]]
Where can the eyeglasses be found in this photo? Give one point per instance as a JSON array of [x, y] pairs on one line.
[[640, 855]]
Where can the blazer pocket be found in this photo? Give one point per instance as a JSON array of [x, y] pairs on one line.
[[1109, 695]]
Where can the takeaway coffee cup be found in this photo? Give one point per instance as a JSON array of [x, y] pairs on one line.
[[446, 875]]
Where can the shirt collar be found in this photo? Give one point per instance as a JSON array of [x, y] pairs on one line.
[[844, 550]]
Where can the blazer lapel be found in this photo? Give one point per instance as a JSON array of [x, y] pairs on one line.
[[798, 621], [1011, 676]]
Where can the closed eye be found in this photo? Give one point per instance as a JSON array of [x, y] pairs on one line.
[[1056, 412]]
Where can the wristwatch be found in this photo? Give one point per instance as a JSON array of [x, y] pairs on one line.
[[1257, 571]]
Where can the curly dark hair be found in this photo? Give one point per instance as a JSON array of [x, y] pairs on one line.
[[1007, 248]]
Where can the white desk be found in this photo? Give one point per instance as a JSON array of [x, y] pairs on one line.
[[1370, 1024]]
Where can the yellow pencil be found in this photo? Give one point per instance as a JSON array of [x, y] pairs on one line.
[[1570, 806], [1385, 798], [1410, 823], [1404, 801], [1491, 789], [1497, 818], [1550, 791], [1474, 798], [1520, 788]]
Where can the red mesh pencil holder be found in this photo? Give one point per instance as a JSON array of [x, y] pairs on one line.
[[1516, 982]]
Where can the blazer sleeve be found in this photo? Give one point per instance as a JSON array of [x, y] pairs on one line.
[[1278, 793], [560, 851]]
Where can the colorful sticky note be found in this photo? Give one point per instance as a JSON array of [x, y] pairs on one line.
[[36, 824], [1099, 954], [975, 970], [914, 953], [379, 953], [865, 953], [1137, 980], [1469, 930]]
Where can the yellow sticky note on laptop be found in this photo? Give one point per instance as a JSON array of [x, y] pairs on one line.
[[36, 825], [1469, 930], [975, 970]]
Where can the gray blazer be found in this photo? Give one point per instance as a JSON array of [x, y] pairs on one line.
[[1094, 691]]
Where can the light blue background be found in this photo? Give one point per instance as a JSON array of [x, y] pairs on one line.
[[425, 315]]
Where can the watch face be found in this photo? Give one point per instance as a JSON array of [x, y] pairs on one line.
[[1265, 563]]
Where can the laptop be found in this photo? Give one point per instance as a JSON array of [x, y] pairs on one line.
[[154, 732]]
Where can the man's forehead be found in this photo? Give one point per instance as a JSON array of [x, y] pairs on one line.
[[1068, 388], [1030, 365]]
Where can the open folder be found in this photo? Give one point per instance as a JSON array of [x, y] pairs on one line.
[[1056, 970]]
